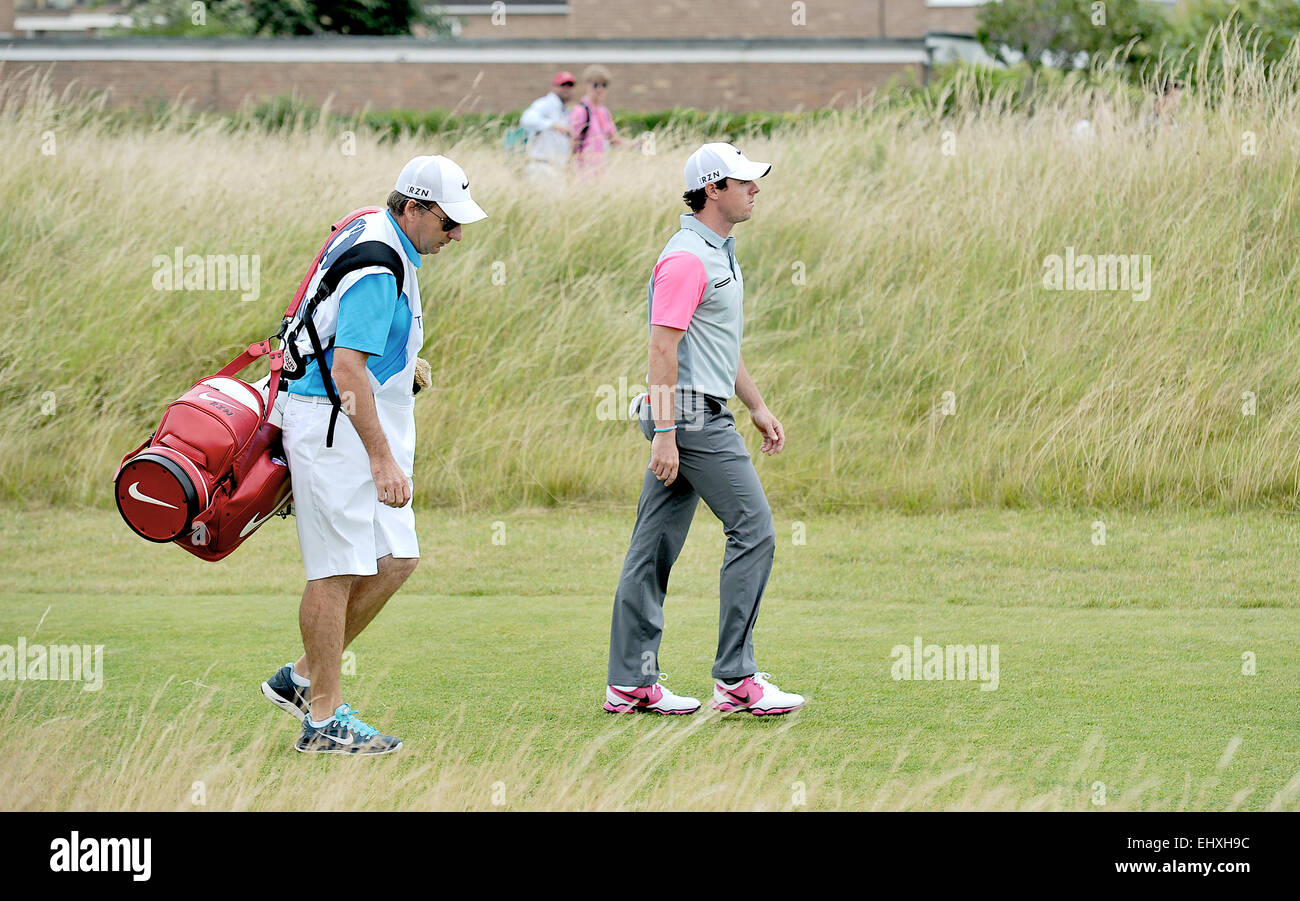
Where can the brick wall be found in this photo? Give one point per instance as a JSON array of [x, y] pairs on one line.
[[806, 68], [686, 18], [516, 25], [726, 18], [912, 18], [729, 18], [482, 88]]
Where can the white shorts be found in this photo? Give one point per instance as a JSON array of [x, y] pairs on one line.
[[342, 527]]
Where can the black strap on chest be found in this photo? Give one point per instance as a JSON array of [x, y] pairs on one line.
[[359, 256]]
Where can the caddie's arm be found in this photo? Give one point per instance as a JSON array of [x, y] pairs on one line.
[[366, 311], [663, 378], [767, 424], [349, 372]]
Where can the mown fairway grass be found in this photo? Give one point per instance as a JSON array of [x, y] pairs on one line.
[[1119, 664]]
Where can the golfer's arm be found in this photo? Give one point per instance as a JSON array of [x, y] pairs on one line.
[[349, 371], [746, 390], [663, 372]]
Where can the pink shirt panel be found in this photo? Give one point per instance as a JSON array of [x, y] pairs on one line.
[[679, 282]]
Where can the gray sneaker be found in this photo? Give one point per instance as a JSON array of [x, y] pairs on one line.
[[286, 694], [344, 734]]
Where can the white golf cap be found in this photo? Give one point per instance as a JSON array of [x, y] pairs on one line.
[[438, 179], [714, 162]]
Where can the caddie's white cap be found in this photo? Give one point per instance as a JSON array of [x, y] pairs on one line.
[[438, 179], [714, 162]]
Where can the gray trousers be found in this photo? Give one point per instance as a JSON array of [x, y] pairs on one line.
[[715, 466]]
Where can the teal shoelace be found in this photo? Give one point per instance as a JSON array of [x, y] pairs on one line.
[[347, 717]]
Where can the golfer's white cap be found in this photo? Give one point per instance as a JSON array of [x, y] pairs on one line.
[[714, 162], [438, 179]]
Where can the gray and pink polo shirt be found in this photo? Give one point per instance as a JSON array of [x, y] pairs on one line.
[[696, 286]]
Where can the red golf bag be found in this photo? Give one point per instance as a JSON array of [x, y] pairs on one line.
[[214, 469]]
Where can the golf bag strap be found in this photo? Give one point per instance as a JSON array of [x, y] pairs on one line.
[[326, 379], [315, 264], [273, 386], [359, 256], [259, 349]]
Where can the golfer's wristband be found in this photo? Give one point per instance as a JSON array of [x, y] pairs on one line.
[[671, 428]]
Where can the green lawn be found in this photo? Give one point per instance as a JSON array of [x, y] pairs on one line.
[[1118, 664]]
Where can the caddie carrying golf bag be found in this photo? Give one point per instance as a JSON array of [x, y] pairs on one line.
[[214, 470]]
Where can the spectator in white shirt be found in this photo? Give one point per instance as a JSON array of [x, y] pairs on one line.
[[549, 132]]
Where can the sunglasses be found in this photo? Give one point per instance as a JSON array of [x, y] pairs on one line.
[[447, 224], [566, 84]]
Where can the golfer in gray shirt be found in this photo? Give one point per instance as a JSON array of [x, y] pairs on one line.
[[696, 307]]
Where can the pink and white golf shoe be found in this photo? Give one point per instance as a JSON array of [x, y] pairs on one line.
[[755, 694], [647, 699]]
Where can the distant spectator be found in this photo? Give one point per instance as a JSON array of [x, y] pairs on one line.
[[1165, 111], [549, 132], [593, 127]]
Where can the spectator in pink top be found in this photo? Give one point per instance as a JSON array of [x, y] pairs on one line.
[[593, 126]]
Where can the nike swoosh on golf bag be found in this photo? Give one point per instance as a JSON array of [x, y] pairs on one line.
[[214, 470]]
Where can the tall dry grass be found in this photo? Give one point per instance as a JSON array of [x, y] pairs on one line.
[[95, 753], [922, 275]]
